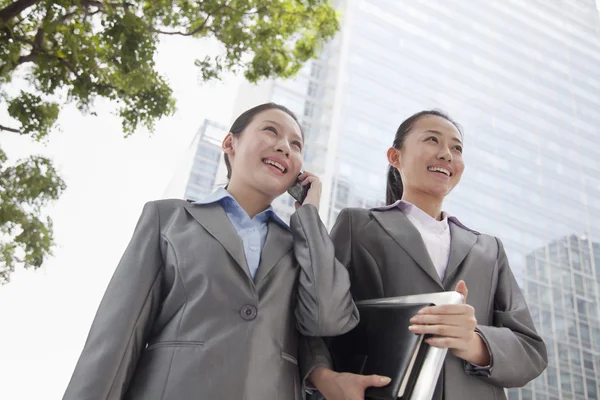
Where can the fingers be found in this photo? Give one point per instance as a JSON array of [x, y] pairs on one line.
[[305, 175], [314, 193], [461, 287], [441, 330], [466, 320], [375, 380], [447, 309], [447, 343], [308, 177]]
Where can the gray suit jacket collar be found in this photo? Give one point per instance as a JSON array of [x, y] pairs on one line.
[[214, 219], [399, 227]]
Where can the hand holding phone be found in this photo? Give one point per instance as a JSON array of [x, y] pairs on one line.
[[306, 190], [297, 191]]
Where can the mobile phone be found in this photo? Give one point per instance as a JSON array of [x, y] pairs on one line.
[[299, 192]]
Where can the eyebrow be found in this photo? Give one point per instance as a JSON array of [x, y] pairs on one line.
[[279, 125], [273, 122], [441, 134]]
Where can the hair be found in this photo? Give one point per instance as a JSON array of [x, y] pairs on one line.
[[395, 187], [242, 122]]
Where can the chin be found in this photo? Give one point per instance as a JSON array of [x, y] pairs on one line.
[[270, 189], [440, 192]]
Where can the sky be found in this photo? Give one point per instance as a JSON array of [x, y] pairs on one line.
[[46, 314]]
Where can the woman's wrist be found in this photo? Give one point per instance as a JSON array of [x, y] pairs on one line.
[[320, 376], [478, 353]]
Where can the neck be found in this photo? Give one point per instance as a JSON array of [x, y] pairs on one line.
[[250, 199], [431, 205]]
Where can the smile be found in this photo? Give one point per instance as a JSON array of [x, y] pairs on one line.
[[275, 164], [441, 170]]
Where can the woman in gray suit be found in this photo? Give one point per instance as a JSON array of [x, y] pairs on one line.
[[412, 247], [210, 297]]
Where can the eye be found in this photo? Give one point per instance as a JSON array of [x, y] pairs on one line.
[[272, 129], [297, 144], [432, 138], [458, 148]]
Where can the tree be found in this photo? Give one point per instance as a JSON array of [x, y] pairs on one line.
[[74, 51]]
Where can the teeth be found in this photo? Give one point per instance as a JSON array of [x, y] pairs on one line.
[[438, 169], [275, 164]]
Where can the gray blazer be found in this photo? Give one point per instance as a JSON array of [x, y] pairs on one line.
[[182, 319], [386, 257]]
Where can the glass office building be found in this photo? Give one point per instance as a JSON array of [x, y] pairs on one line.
[[207, 169], [523, 79], [561, 283]]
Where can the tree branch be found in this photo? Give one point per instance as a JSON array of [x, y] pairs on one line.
[[174, 33], [198, 29], [79, 77], [6, 128], [102, 5], [14, 9]]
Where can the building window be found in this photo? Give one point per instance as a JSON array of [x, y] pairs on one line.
[[313, 89], [209, 153], [565, 381], [309, 109], [592, 392], [204, 181], [588, 362], [552, 378], [342, 195], [578, 383], [315, 70], [584, 332]]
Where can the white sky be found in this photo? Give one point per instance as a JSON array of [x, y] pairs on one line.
[[46, 314]]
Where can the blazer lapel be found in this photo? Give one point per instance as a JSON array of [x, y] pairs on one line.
[[214, 219], [461, 243], [399, 227], [278, 243]]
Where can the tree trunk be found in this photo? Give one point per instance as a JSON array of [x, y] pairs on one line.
[[14, 9]]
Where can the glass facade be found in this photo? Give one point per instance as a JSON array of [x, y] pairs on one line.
[[562, 286], [523, 80], [203, 177], [309, 96]]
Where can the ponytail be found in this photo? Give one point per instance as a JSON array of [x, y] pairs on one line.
[[394, 186]]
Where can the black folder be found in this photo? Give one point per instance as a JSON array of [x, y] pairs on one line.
[[382, 344]]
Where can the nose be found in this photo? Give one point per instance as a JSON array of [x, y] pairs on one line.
[[282, 146], [445, 154]]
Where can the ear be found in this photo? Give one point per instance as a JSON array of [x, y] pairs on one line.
[[393, 155], [227, 145]]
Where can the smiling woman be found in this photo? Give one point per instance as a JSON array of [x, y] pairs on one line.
[[221, 284], [246, 118], [432, 129], [412, 247]]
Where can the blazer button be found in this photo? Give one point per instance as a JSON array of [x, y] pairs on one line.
[[248, 312]]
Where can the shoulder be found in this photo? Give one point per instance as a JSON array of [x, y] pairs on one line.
[[166, 207], [166, 204], [492, 244], [354, 216]]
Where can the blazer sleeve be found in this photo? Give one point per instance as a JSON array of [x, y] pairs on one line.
[[313, 351], [325, 306], [122, 323], [518, 352]]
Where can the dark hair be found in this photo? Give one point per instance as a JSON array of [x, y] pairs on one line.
[[246, 118], [394, 181]]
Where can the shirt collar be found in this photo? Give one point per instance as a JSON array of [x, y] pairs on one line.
[[415, 211], [223, 197]]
